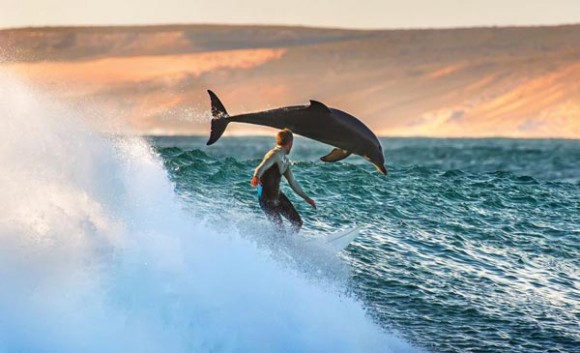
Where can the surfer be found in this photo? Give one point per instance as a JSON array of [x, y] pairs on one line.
[[267, 178]]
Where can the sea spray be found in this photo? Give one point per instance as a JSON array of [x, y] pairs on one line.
[[97, 254]]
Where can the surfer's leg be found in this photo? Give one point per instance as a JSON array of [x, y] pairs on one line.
[[289, 212], [273, 214]]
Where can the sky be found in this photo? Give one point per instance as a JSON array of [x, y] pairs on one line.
[[374, 14]]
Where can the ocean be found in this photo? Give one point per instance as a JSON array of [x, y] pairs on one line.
[[469, 245], [111, 243]]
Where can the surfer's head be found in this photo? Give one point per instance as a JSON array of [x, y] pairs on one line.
[[285, 138]]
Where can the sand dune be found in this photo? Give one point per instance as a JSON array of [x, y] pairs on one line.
[[511, 82], [97, 73]]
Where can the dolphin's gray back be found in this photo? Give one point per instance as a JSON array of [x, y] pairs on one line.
[[331, 126], [346, 129]]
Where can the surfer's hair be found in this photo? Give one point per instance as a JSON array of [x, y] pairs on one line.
[[284, 136]]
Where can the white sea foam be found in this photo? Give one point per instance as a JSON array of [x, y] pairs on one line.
[[97, 255]]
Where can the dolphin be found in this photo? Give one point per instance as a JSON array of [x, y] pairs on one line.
[[315, 121]]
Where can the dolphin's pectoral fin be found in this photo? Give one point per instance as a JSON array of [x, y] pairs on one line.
[[319, 107], [335, 155]]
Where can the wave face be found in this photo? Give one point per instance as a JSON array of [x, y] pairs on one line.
[[99, 254], [469, 245]]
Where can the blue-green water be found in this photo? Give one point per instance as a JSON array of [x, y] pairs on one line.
[[468, 245]]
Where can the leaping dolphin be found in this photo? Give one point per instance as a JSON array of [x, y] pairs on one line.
[[315, 121]]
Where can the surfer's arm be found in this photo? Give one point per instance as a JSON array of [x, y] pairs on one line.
[[296, 187], [268, 161]]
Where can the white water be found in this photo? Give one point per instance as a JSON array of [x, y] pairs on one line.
[[96, 255]]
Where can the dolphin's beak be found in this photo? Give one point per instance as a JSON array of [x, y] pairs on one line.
[[381, 168]]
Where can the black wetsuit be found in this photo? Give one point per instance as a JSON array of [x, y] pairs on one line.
[[275, 204]]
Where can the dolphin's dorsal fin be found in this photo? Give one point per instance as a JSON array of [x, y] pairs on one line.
[[335, 155], [320, 107]]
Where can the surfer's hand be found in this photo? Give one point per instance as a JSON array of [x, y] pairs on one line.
[[311, 202], [255, 181]]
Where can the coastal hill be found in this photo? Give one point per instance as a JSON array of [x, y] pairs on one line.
[[473, 82]]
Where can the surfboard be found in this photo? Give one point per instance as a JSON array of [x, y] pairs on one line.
[[338, 240], [341, 239]]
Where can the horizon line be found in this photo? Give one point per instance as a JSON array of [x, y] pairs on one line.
[[218, 24]]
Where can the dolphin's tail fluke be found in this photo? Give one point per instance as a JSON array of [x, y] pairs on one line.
[[220, 118]]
